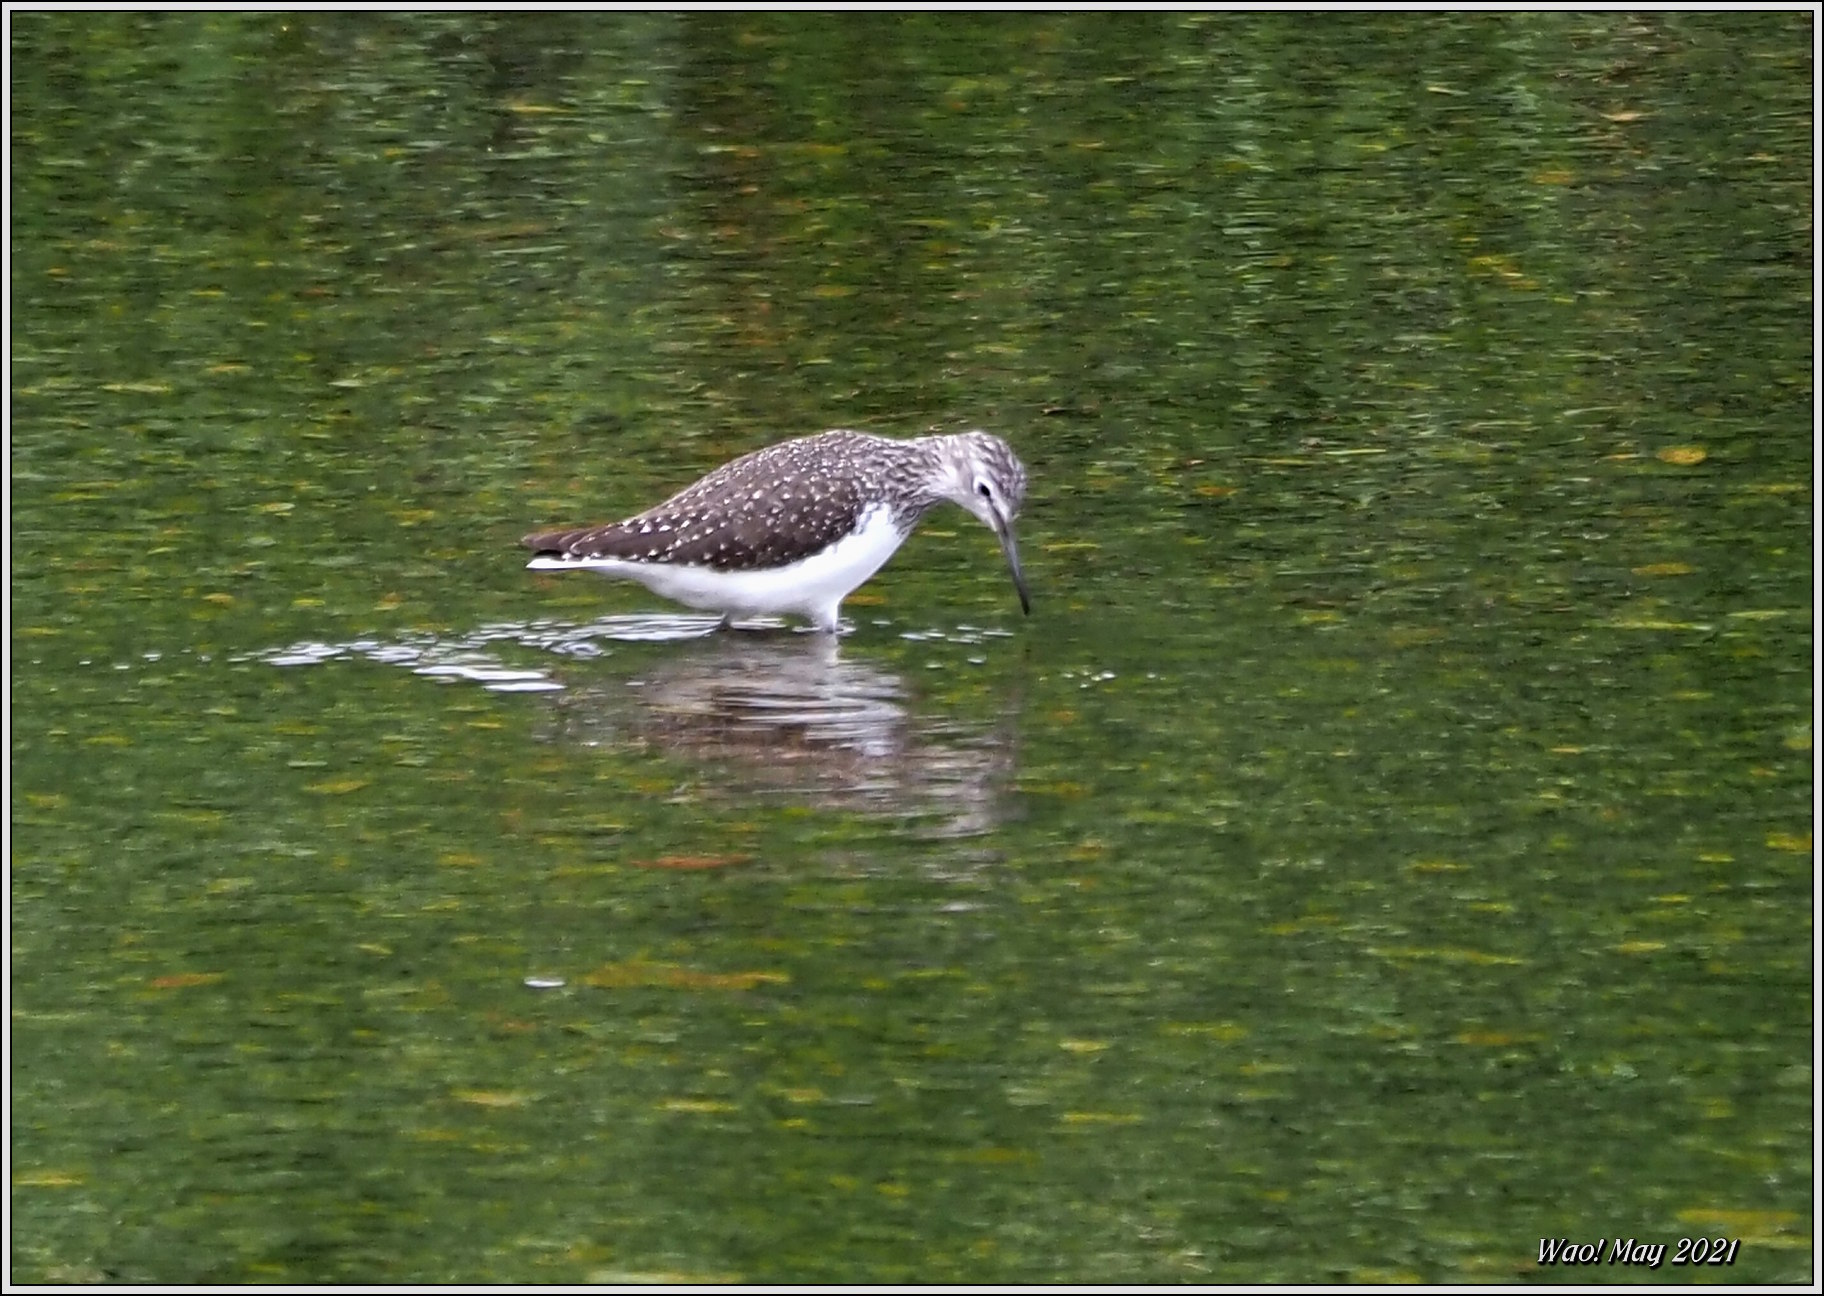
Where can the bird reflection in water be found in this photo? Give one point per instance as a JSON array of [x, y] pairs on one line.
[[787, 716], [790, 715]]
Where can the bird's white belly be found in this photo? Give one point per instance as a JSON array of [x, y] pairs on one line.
[[811, 587]]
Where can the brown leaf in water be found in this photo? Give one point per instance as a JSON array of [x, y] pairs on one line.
[[686, 862], [638, 972]]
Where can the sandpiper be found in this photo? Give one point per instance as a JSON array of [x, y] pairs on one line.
[[796, 527]]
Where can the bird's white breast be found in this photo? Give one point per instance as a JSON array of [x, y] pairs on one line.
[[811, 587]]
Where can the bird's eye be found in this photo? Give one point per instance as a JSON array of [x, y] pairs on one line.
[[983, 488]]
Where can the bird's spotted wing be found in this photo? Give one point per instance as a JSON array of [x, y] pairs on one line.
[[756, 512]]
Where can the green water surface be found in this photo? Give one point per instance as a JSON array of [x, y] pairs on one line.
[[1387, 845]]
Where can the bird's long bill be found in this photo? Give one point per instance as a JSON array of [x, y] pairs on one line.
[[1003, 530]]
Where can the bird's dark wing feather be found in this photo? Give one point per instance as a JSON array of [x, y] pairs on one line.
[[741, 517]]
